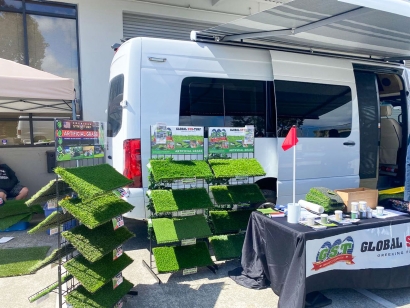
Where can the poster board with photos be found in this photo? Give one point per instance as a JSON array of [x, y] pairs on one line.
[[226, 140], [168, 140], [77, 140]]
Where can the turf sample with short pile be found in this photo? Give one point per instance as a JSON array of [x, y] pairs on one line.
[[234, 194], [180, 200], [103, 298], [96, 243], [93, 276], [98, 211], [325, 197], [167, 170], [17, 207], [229, 168], [52, 221], [91, 181], [53, 257], [20, 261], [9, 221], [49, 192], [49, 289], [227, 246], [230, 221], [176, 229], [172, 259]]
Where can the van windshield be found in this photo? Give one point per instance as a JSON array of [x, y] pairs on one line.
[[114, 112]]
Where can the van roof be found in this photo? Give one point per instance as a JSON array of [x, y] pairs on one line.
[[368, 28]]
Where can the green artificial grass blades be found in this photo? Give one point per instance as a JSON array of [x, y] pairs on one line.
[[103, 298], [164, 170], [180, 200], [172, 259], [49, 289], [229, 168], [234, 194], [51, 221], [91, 181], [9, 221], [53, 257], [48, 192], [19, 261], [98, 211], [230, 221], [176, 229], [17, 207], [227, 246], [93, 276], [96, 243]]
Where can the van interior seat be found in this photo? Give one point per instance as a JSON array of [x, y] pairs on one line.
[[390, 137]]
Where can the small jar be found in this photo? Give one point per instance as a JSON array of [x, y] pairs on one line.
[[369, 213], [354, 206], [354, 215]]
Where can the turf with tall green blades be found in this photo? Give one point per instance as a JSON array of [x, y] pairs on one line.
[[229, 168], [234, 194], [164, 170], [227, 246], [230, 221]]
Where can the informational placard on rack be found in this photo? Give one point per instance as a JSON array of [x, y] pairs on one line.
[[224, 140], [77, 140], [176, 139]]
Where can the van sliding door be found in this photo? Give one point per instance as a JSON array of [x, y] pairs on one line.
[[318, 95]]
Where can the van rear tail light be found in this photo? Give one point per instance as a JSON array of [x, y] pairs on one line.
[[132, 162]]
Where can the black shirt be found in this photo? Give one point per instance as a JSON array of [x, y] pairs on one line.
[[8, 178]]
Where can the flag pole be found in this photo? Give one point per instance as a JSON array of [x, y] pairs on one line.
[[294, 165]]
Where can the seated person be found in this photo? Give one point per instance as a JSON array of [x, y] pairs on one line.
[[10, 186]]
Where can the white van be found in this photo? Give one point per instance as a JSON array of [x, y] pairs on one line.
[[340, 106]]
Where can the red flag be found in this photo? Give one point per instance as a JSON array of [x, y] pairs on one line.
[[290, 140]]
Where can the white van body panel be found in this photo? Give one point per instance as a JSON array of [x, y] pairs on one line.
[[320, 162]]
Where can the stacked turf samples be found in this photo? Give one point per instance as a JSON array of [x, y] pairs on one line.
[[98, 266], [325, 197], [178, 221], [234, 203]]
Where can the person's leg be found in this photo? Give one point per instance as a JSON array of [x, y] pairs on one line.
[[23, 193], [18, 192], [3, 196]]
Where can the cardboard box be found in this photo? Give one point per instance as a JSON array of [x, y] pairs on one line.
[[350, 195]]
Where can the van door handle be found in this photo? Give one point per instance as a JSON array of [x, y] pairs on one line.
[[349, 143]]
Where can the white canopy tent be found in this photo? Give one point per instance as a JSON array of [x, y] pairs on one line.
[[28, 90], [368, 28]]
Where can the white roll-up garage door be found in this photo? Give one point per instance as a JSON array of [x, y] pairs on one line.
[[138, 25]]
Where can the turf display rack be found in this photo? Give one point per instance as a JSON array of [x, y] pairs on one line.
[[90, 256]]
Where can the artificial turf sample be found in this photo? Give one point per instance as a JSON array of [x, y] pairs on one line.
[[172, 259], [95, 212], [53, 257], [17, 207], [19, 261], [9, 221], [229, 221], [229, 168], [91, 181], [93, 276], [227, 246], [164, 170], [52, 221], [169, 230], [96, 243], [180, 200], [234, 194], [48, 192], [103, 298], [50, 288]]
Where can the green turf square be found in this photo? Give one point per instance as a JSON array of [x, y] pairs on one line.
[[229, 168], [230, 221], [51, 221], [227, 246], [53, 257], [176, 229], [164, 170], [172, 259], [235, 194], [180, 199], [91, 181], [96, 243], [49, 192], [98, 211], [9, 221], [93, 276], [17, 207]]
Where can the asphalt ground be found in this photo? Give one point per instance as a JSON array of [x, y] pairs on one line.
[[203, 289]]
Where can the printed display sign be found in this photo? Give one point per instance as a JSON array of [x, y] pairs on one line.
[[383, 247], [116, 253], [118, 222], [117, 280], [79, 139], [231, 139], [177, 139]]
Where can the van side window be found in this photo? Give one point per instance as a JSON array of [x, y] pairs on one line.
[[223, 102], [114, 112], [318, 110]]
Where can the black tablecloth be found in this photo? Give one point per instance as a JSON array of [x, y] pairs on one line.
[[274, 252]]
